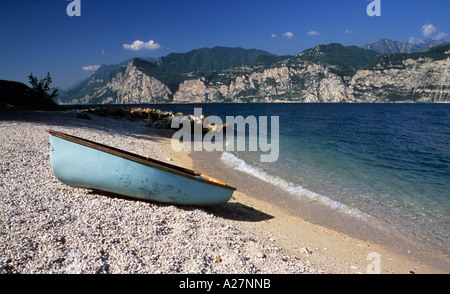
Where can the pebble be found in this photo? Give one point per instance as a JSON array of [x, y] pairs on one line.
[[306, 251]]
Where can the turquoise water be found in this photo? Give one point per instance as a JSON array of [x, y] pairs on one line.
[[385, 163]]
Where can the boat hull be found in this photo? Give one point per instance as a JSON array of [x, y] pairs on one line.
[[88, 165]]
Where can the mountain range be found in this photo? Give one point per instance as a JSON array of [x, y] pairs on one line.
[[388, 46], [380, 72], [171, 69]]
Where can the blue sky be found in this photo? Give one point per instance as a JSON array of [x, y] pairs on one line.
[[39, 37]]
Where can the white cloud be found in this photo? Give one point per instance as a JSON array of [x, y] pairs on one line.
[[428, 30], [347, 31], [288, 35], [273, 35], [139, 45], [441, 36], [415, 41], [313, 33], [91, 67]]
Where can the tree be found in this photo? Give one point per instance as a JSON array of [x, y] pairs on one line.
[[42, 88]]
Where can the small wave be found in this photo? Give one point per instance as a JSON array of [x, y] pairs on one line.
[[239, 164]]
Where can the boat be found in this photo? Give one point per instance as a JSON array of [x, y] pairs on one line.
[[86, 164]]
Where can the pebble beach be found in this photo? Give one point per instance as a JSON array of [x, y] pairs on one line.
[[47, 227]]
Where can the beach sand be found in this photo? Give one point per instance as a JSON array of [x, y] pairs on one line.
[[48, 227], [335, 242]]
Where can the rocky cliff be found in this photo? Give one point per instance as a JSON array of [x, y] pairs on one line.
[[130, 86], [306, 82], [409, 78], [327, 73], [417, 80]]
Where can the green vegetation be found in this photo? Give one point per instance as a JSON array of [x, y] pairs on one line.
[[171, 80], [343, 61], [266, 61], [15, 95], [205, 60], [41, 88]]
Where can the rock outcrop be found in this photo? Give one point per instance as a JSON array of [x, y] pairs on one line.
[[421, 80], [130, 86]]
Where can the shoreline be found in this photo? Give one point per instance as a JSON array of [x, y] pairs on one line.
[[311, 231], [48, 227], [51, 228]]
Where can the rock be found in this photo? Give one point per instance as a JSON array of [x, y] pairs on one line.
[[138, 114], [164, 114], [115, 111], [306, 251], [160, 124]]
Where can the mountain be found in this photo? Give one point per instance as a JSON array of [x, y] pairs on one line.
[[206, 60], [171, 69], [137, 82], [329, 73], [413, 77], [344, 60], [84, 88], [388, 46], [325, 73]]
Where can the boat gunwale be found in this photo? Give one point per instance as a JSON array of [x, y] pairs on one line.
[[181, 171]]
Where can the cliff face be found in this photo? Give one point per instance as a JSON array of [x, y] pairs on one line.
[[313, 76], [130, 86], [421, 80], [306, 83]]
